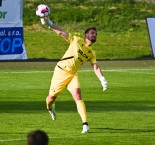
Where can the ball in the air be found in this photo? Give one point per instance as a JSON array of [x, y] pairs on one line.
[[42, 10]]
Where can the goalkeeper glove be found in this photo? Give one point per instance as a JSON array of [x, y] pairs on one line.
[[45, 20], [103, 82]]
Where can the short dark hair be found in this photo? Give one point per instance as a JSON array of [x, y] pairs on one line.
[[91, 28], [37, 137]]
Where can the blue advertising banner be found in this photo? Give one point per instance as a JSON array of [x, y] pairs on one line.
[[11, 30], [11, 40]]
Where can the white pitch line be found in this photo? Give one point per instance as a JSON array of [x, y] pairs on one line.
[[23, 139], [24, 72], [84, 70], [8, 140], [82, 136]]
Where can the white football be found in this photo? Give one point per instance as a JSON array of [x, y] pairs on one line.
[[42, 10]]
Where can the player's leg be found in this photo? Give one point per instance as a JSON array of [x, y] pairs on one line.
[[81, 108], [49, 101], [76, 93], [59, 81], [74, 88], [51, 106]]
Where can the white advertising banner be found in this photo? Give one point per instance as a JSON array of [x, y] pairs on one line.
[[11, 30], [151, 29]]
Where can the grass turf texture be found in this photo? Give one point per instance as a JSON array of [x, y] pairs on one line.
[[127, 45], [124, 114]]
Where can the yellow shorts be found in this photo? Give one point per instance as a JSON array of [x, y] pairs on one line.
[[62, 79]]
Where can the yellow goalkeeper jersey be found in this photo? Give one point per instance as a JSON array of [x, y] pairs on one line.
[[76, 55]]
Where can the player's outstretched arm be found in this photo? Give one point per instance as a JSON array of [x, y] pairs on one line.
[[99, 74], [59, 31], [55, 28]]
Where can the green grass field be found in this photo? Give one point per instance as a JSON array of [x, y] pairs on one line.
[[46, 44], [122, 115]]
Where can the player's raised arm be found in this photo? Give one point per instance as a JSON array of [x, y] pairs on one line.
[[59, 31], [55, 28], [43, 11]]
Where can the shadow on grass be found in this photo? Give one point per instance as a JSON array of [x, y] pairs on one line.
[[121, 130], [92, 106]]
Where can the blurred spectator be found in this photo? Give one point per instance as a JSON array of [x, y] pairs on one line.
[[37, 137]]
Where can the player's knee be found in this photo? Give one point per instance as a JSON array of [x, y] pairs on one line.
[[78, 97], [76, 94]]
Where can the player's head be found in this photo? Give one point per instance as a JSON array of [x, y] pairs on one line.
[[91, 34], [37, 137]]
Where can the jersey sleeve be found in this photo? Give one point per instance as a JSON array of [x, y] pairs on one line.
[[70, 38]]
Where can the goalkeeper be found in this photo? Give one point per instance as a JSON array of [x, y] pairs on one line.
[[65, 72]]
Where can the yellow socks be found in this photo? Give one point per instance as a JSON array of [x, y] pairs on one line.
[[81, 110]]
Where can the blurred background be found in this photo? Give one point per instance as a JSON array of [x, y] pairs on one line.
[[121, 25]]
